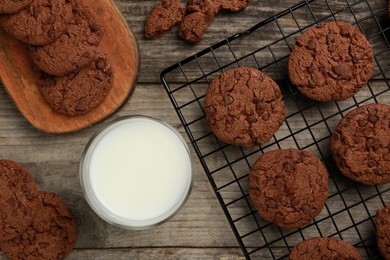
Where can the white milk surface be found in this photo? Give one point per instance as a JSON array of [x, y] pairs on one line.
[[140, 170]]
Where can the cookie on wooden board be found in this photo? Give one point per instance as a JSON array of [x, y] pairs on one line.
[[360, 144], [163, 17], [79, 92], [13, 6], [288, 187], [18, 199], [383, 231], [74, 49], [40, 23], [319, 248], [244, 107], [331, 62], [51, 235]]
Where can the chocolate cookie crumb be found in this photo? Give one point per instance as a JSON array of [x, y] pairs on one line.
[[163, 17], [205, 6], [194, 25], [288, 187], [233, 5]]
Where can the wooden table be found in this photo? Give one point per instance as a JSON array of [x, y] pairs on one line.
[[200, 230]]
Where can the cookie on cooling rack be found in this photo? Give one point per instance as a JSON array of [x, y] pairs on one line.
[[51, 235], [360, 144], [79, 92], [75, 49], [331, 62], [13, 6], [163, 17], [40, 23], [383, 231], [244, 107], [18, 199], [324, 248], [288, 187]]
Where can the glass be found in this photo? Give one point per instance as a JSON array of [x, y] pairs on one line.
[[93, 197]]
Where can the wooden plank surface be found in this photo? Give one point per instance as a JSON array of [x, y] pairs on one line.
[[200, 230]]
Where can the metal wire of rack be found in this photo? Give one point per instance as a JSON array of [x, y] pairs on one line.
[[349, 213]]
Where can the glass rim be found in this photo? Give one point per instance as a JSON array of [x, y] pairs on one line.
[[92, 198]]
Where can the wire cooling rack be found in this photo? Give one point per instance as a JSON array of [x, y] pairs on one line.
[[349, 213]]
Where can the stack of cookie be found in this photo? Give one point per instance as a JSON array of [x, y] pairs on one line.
[[33, 224], [63, 38], [194, 19]]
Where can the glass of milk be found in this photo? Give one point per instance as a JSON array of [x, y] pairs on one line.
[[136, 172]]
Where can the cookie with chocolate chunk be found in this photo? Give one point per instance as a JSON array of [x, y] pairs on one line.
[[163, 17], [288, 187], [18, 199], [75, 49], [13, 6], [331, 62], [360, 144], [79, 92], [383, 231], [40, 23], [51, 235], [324, 248], [244, 107]]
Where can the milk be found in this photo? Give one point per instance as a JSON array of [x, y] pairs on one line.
[[139, 172]]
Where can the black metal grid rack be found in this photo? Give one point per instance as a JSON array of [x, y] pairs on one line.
[[349, 213]]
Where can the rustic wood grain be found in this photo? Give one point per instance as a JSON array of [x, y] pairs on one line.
[[21, 80], [200, 229]]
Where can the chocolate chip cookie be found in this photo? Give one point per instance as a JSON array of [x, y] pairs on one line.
[[383, 231], [288, 187], [324, 248], [360, 144], [18, 199], [74, 49], [331, 62], [40, 23], [51, 235], [13, 6], [163, 17], [79, 92], [244, 107]]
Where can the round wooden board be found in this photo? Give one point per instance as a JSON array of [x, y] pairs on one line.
[[21, 81]]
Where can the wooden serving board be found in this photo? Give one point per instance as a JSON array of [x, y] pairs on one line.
[[21, 81]]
